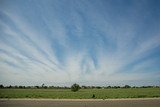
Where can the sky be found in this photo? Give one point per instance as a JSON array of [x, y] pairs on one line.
[[89, 42]]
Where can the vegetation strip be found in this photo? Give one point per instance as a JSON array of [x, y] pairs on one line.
[[33, 99], [81, 94]]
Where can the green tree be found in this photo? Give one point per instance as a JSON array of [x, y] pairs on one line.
[[75, 87], [43, 85], [127, 86], [1, 86]]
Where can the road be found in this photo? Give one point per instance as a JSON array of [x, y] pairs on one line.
[[79, 103]]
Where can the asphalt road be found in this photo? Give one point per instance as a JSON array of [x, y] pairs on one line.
[[79, 103]]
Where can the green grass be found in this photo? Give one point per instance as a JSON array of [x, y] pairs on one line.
[[81, 94]]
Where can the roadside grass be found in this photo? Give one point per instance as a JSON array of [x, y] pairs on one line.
[[81, 94]]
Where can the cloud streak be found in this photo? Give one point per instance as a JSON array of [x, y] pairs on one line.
[[91, 43]]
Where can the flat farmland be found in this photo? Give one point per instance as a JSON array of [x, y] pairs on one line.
[[81, 94]]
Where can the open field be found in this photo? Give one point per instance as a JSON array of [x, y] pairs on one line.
[[80, 103], [81, 94]]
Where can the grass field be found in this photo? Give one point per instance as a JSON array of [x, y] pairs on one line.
[[81, 94]]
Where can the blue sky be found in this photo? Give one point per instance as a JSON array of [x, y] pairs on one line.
[[90, 42]]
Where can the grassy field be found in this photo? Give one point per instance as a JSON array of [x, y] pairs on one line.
[[81, 94]]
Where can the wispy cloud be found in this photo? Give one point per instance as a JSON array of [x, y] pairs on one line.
[[86, 42]]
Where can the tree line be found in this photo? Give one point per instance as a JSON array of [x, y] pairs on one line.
[[34, 87], [43, 86]]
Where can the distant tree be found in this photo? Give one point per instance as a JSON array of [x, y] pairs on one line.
[[109, 87], [15, 86], [45, 87], [75, 87], [42, 85], [20, 86], [134, 87], [84, 87], [1, 86], [66, 87], [51, 87], [28, 87], [10, 86], [116, 87], [127, 86], [36, 87], [93, 87], [98, 87]]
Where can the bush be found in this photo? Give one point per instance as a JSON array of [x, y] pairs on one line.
[[75, 87], [93, 96]]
